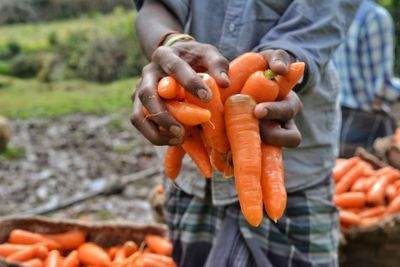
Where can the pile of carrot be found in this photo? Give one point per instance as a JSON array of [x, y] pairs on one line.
[[71, 249], [365, 195], [223, 134]]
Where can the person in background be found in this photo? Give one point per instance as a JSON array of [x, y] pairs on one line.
[[368, 88], [203, 215]]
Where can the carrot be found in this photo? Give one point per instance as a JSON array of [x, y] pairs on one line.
[[391, 192], [120, 255], [350, 200], [173, 161], [35, 262], [68, 240], [217, 160], [19, 236], [53, 259], [169, 88], [112, 251], [7, 249], [342, 168], [159, 245], [228, 167], [272, 181], [91, 254], [373, 212], [72, 260], [349, 178], [130, 260], [364, 222], [376, 195], [130, 247], [244, 136], [214, 130], [359, 185], [348, 218], [261, 87], [28, 253], [369, 183], [240, 70], [188, 114], [394, 206], [154, 260], [287, 82], [196, 150]]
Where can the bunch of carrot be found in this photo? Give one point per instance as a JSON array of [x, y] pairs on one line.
[[364, 195], [70, 249], [225, 130]]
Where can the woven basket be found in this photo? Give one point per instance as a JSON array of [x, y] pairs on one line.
[[375, 246], [105, 234]]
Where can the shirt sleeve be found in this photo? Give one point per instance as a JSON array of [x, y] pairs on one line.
[[311, 30], [180, 8], [378, 40]]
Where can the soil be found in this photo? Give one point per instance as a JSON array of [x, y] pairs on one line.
[[71, 155]]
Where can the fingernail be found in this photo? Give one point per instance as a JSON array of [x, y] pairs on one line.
[[203, 94], [280, 61], [174, 141], [175, 130]]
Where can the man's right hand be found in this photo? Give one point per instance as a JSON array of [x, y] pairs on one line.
[[181, 61]]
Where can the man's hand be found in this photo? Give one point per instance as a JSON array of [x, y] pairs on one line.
[[181, 61], [282, 111]]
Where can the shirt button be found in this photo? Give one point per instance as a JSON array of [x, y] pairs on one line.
[[231, 27]]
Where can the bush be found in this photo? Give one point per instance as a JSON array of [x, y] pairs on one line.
[[102, 60], [12, 11], [4, 68], [26, 65]]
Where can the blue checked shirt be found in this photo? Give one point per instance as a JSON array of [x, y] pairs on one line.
[[310, 30], [365, 60]]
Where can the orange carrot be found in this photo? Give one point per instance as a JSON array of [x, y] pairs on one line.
[[261, 87], [120, 255], [159, 245], [130, 247], [28, 253], [196, 150], [19, 236], [272, 181], [35, 262], [214, 130], [369, 183], [53, 259], [72, 260], [112, 251], [7, 249], [240, 70], [341, 169], [188, 114], [91, 254], [391, 192], [228, 169], [68, 240], [350, 177], [350, 200], [287, 83], [359, 185], [376, 195], [394, 206], [364, 222], [154, 260], [173, 161], [348, 218], [373, 212], [168, 88], [244, 136], [217, 160]]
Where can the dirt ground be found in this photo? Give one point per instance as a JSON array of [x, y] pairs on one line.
[[72, 155]]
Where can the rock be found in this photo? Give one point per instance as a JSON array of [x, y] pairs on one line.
[[5, 132]]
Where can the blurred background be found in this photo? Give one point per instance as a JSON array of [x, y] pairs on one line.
[[67, 69]]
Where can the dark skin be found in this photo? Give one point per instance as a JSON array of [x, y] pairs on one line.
[[182, 60]]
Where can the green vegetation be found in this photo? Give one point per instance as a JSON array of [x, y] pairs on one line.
[[12, 153], [27, 98]]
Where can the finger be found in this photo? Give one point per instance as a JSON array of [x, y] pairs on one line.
[[274, 134], [182, 72], [149, 98], [148, 128], [278, 60], [280, 110], [217, 66]]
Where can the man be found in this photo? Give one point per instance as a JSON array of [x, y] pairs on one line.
[[365, 65], [204, 218]]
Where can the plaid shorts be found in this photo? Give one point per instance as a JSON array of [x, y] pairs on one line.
[[216, 236]]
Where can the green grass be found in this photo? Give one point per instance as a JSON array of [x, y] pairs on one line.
[[12, 153], [35, 36], [29, 98]]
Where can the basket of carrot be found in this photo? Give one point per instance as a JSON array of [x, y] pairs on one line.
[[369, 212], [44, 242], [223, 135]]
